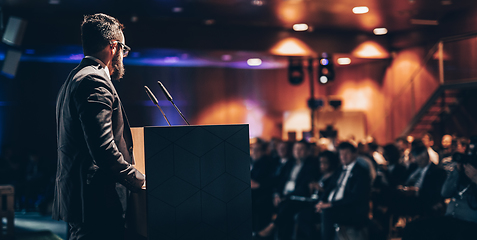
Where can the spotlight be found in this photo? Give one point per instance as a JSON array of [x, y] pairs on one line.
[[336, 103], [325, 69], [295, 71]]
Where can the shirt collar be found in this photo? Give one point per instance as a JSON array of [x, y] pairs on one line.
[[349, 166], [106, 69]]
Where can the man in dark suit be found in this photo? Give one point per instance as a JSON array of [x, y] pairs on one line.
[[422, 191], [348, 202], [94, 139]]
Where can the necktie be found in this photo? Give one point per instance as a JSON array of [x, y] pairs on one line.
[[339, 185]]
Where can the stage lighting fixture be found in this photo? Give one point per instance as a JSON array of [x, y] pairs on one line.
[[335, 103], [326, 72], [295, 71]]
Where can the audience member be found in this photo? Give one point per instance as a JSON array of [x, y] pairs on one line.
[[404, 148], [293, 182], [308, 219], [421, 192], [346, 212], [460, 220], [428, 141]]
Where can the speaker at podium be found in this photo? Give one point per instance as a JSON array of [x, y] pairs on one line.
[[197, 183]]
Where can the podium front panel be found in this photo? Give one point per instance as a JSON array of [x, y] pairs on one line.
[[198, 182]]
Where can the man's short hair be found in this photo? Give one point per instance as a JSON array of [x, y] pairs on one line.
[[402, 139], [303, 141], [347, 145], [418, 147], [98, 30]]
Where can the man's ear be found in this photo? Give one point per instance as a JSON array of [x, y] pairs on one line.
[[113, 47]]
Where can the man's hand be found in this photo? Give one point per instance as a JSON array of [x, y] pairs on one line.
[[321, 205], [254, 185], [144, 185]]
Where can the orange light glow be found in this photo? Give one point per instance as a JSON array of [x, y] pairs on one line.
[[291, 47], [296, 121], [291, 12], [235, 112], [370, 49]]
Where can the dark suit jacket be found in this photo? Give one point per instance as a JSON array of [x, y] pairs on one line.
[[353, 208], [94, 147], [305, 176], [430, 191]]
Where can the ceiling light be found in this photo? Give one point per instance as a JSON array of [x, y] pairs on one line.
[[380, 31], [360, 10], [253, 62], [300, 27], [323, 79], [291, 47], [370, 49], [177, 9], [257, 2], [344, 61]]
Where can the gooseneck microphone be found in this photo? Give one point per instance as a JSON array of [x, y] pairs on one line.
[[168, 96], [154, 100]]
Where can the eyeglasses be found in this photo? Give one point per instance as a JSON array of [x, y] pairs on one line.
[[126, 49]]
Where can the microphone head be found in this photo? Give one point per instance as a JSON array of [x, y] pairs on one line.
[[151, 96], [164, 90]]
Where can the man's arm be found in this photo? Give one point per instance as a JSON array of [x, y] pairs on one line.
[[94, 101]]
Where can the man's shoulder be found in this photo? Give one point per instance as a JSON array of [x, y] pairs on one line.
[[91, 73]]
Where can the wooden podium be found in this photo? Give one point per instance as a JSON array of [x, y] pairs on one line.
[[198, 183]]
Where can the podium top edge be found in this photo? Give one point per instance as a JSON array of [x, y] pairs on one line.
[[212, 125]]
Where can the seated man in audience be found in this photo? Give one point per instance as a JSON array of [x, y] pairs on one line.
[[294, 181], [346, 212], [421, 195], [460, 220]]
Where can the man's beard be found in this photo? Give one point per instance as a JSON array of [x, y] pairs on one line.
[[118, 67]]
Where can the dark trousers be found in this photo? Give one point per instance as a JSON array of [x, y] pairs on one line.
[[285, 221], [308, 222]]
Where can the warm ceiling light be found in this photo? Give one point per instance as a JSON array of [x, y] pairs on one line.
[[253, 62], [360, 10], [380, 31], [291, 47], [300, 27], [370, 49], [344, 61]]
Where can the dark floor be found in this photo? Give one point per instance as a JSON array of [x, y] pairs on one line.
[[34, 222]]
